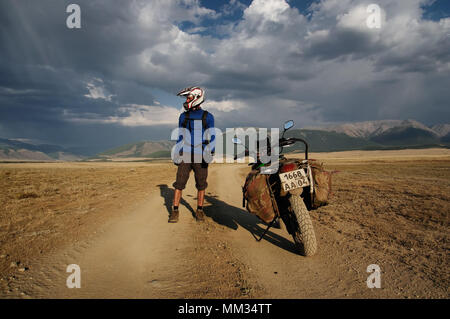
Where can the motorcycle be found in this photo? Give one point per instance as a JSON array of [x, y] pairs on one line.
[[291, 188]]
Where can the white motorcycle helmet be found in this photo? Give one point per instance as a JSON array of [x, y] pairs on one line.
[[194, 97]]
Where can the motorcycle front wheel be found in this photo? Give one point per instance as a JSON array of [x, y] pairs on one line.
[[304, 236]]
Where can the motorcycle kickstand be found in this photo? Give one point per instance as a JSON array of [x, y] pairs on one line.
[[267, 229]]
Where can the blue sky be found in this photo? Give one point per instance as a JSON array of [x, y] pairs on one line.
[[114, 81], [437, 10], [234, 13], [433, 10]]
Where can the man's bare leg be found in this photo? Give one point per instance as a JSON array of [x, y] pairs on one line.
[[177, 197], [173, 218], [200, 199]]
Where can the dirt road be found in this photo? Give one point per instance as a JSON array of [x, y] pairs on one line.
[[137, 254]]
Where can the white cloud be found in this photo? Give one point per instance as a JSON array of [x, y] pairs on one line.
[[146, 115], [131, 115], [173, 11], [271, 65], [356, 18], [11, 91], [97, 90], [324, 63], [196, 29], [232, 6], [271, 10], [225, 105]]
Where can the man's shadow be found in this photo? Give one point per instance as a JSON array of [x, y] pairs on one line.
[[231, 217]]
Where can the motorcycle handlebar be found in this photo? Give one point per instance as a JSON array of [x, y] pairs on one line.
[[295, 139], [284, 139]]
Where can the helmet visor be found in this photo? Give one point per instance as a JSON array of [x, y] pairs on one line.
[[189, 98]]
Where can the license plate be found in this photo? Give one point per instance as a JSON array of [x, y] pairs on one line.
[[294, 179]]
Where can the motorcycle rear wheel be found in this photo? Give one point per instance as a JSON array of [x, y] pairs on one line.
[[304, 236]]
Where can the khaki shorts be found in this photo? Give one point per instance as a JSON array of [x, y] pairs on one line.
[[200, 174]]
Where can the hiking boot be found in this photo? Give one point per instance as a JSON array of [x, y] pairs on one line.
[[200, 215], [173, 218]]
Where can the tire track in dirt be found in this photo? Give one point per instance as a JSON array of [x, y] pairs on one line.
[[136, 255]]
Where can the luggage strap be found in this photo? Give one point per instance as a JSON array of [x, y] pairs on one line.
[[187, 119]]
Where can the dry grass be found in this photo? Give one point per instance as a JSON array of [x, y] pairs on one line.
[[398, 213], [43, 205], [392, 209]]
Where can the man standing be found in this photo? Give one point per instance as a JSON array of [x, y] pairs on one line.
[[192, 149]]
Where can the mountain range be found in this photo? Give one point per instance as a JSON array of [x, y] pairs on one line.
[[15, 150], [369, 135], [387, 134], [148, 149], [370, 129]]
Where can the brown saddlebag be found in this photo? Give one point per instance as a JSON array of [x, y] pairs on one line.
[[257, 195], [322, 184]]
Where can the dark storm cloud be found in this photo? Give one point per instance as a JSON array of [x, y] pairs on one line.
[[95, 85], [45, 67], [37, 33], [343, 42]]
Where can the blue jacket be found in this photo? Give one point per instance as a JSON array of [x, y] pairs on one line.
[[195, 131]]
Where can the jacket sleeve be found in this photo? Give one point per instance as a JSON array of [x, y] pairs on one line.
[[180, 121], [210, 125]]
